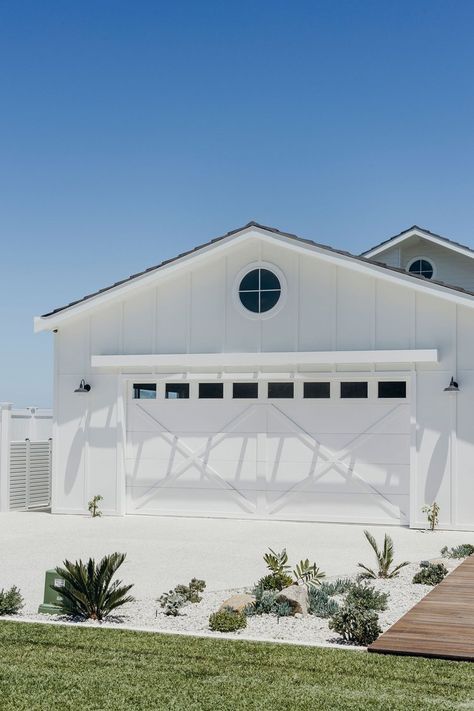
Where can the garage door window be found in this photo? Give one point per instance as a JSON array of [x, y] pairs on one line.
[[177, 391], [244, 390], [212, 391], [316, 390], [281, 390], [355, 389], [392, 389], [144, 391]]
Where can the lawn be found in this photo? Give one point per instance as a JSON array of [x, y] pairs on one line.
[[45, 667]]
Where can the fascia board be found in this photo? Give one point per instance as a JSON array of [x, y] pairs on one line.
[[418, 233]]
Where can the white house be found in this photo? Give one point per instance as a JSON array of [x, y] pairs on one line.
[[262, 375]]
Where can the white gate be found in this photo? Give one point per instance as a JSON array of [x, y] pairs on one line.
[[30, 474]]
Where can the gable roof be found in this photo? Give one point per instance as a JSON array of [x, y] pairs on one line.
[[49, 320], [415, 230]]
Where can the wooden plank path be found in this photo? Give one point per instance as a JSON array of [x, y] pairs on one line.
[[440, 625]]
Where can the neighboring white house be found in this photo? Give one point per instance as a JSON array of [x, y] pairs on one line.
[[263, 375]]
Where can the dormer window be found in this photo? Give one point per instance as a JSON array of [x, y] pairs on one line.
[[422, 267]]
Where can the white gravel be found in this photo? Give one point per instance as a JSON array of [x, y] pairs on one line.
[[146, 613]]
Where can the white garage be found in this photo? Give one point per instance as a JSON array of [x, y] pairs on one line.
[[261, 375]]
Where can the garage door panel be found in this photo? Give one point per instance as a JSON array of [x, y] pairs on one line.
[[199, 502], [381, 449], [338, 416], [205, 416], [150, 472], [329, 477]]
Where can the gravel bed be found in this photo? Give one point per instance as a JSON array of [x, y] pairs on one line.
[[193, 619]]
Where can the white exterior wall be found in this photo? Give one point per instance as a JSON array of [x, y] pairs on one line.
[[327, 307], [450, 266]]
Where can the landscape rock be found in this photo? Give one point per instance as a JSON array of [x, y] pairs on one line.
[[297, 597], [238, 602]]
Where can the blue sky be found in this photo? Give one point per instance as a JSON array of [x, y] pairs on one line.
[[130, 131]]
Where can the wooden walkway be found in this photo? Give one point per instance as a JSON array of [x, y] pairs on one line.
[[440, 625]]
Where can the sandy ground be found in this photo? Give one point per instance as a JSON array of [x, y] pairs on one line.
[[162, 552]]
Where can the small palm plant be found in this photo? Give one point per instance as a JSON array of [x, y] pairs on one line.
[[384, 560], [88, 590]]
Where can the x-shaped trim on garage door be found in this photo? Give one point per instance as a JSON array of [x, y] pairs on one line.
[[197, 456], [332, 458]]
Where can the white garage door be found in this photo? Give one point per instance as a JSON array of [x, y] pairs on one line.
[[297, 458]]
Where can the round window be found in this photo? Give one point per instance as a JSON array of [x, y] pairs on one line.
[[422, 267], [259, 290]]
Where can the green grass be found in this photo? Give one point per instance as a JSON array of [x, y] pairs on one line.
[[47, 667]]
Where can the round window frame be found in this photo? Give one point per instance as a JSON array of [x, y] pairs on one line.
[[279, 304], [425, 259]]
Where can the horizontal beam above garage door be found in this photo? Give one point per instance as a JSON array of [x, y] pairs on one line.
[[271, 359]]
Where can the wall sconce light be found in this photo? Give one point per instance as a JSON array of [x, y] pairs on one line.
[[453, 387], [83, 387]]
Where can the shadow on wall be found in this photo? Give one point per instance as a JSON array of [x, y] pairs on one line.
[[74, 460], [437, 468]]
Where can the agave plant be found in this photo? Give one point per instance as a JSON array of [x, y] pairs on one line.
[[384, 560], [88, 590]]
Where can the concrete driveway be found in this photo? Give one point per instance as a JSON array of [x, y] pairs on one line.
[[164, 551]]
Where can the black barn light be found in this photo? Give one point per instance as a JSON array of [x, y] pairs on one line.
[[83, 387], [453, 387]]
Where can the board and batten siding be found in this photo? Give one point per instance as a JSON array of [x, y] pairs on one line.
[[450, 267], [327, 307]]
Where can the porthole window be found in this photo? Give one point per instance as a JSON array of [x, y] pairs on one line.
[[259, 290], [422, 267]]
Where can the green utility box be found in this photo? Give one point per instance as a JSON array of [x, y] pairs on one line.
[[52, 599]]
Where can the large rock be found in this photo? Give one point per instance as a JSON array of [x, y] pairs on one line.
[[297, 597], [238, 602]]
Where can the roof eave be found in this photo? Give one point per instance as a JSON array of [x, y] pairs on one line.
[[361, 264]]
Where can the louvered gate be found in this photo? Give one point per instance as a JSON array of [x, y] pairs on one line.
[[30, 474]]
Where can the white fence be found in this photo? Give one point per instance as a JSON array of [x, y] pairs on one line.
[[25, 457]]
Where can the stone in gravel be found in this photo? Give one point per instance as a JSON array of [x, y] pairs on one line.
[[238, 602], [297, 597]]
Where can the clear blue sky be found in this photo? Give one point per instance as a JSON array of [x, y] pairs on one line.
[[130, 131]]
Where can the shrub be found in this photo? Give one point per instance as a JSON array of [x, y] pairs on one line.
[[89, 591], [227, 620], [265, 601], [283, 609], [356, 624], [172, 602], [430, 573], [462, 551], [11, 601], [432, 514], [275, 581], [367, 597], [320, 603], [338, 587], [93, 506], [191, 591], [384, 560]]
